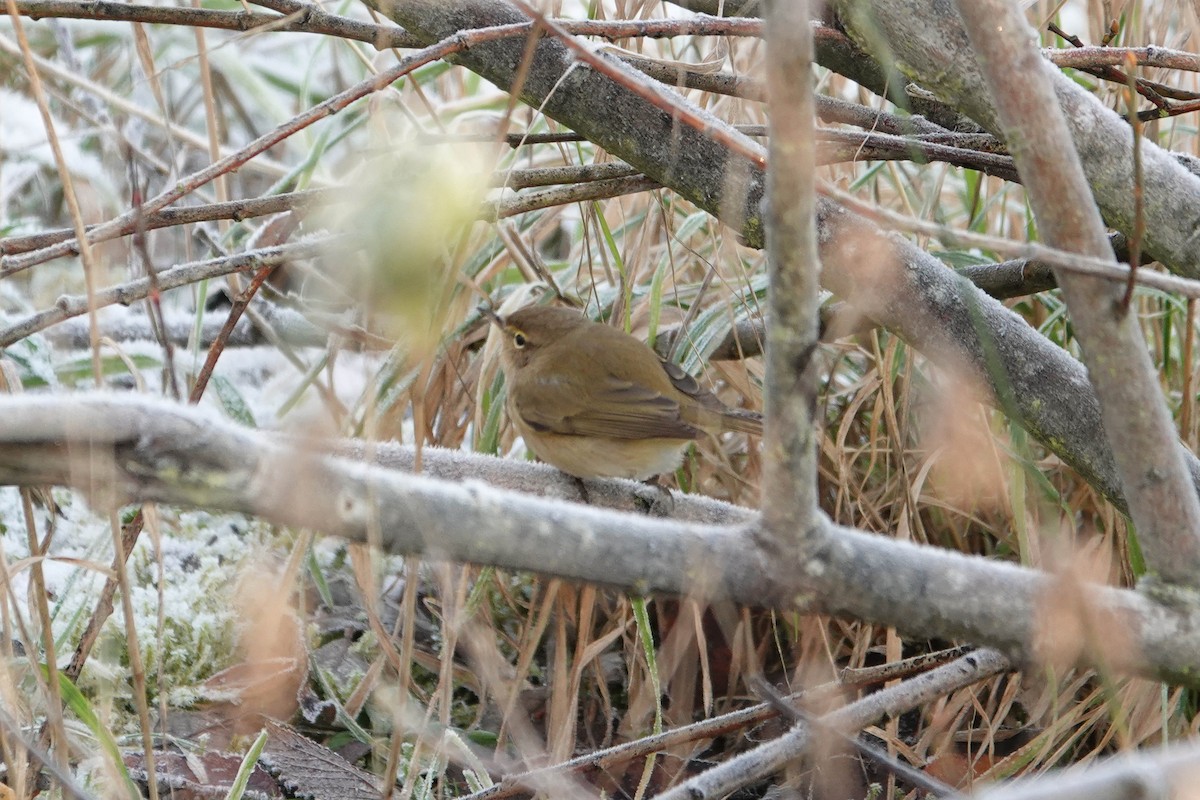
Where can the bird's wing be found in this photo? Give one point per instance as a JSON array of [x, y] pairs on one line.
[[615, 409]]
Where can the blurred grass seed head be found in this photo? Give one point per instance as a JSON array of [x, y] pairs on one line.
[[409, 209]]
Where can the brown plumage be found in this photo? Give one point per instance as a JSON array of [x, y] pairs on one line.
[[596, 402]]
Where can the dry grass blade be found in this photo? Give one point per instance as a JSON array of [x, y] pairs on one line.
[[403, 180]]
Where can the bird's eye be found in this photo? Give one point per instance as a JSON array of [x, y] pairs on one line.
[[519, 339]]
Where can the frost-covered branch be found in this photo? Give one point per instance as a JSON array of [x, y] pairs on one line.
[[122, 449], [1167, 772], [751, 767]]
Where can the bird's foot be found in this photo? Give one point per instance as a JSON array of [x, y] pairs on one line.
[[655, 499]]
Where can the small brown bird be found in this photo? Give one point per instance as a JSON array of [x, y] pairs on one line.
[[598, 403]]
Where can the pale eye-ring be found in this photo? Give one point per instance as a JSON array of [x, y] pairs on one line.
[[519, 339]]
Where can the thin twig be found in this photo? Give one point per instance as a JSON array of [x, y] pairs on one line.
[[1188, 365], [746, 768], [154, 304], [316, 20], [130, 532], [236, 210], [1113, 74], [563, 195], [1139, 213], [453, 44], [69, 306], [1073, 262], [905, 772], [235, 313], [1085, 56], [898, 670]]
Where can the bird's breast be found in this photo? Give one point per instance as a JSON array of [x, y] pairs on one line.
[[601, 457]]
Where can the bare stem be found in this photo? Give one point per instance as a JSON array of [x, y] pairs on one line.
[[790, 395]]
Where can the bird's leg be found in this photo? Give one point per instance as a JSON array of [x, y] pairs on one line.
[[658, 501], [583, 490]]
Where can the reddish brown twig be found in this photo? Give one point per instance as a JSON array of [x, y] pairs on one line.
[[1111, 73], [652, 92], [218, 346], [312, 19], [1139, 214], [158, 322]]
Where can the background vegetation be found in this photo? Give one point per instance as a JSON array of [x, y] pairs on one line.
[[356, 242]]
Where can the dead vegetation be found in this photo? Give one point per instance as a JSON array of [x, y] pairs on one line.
[[441, 679]]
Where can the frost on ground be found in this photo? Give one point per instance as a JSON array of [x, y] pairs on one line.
[[185, 569], [188, 569]]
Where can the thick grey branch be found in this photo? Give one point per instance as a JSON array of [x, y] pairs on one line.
[[121, 449], [124, 449]]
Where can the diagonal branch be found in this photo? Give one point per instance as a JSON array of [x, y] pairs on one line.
[[927, 40], [753, 766]]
